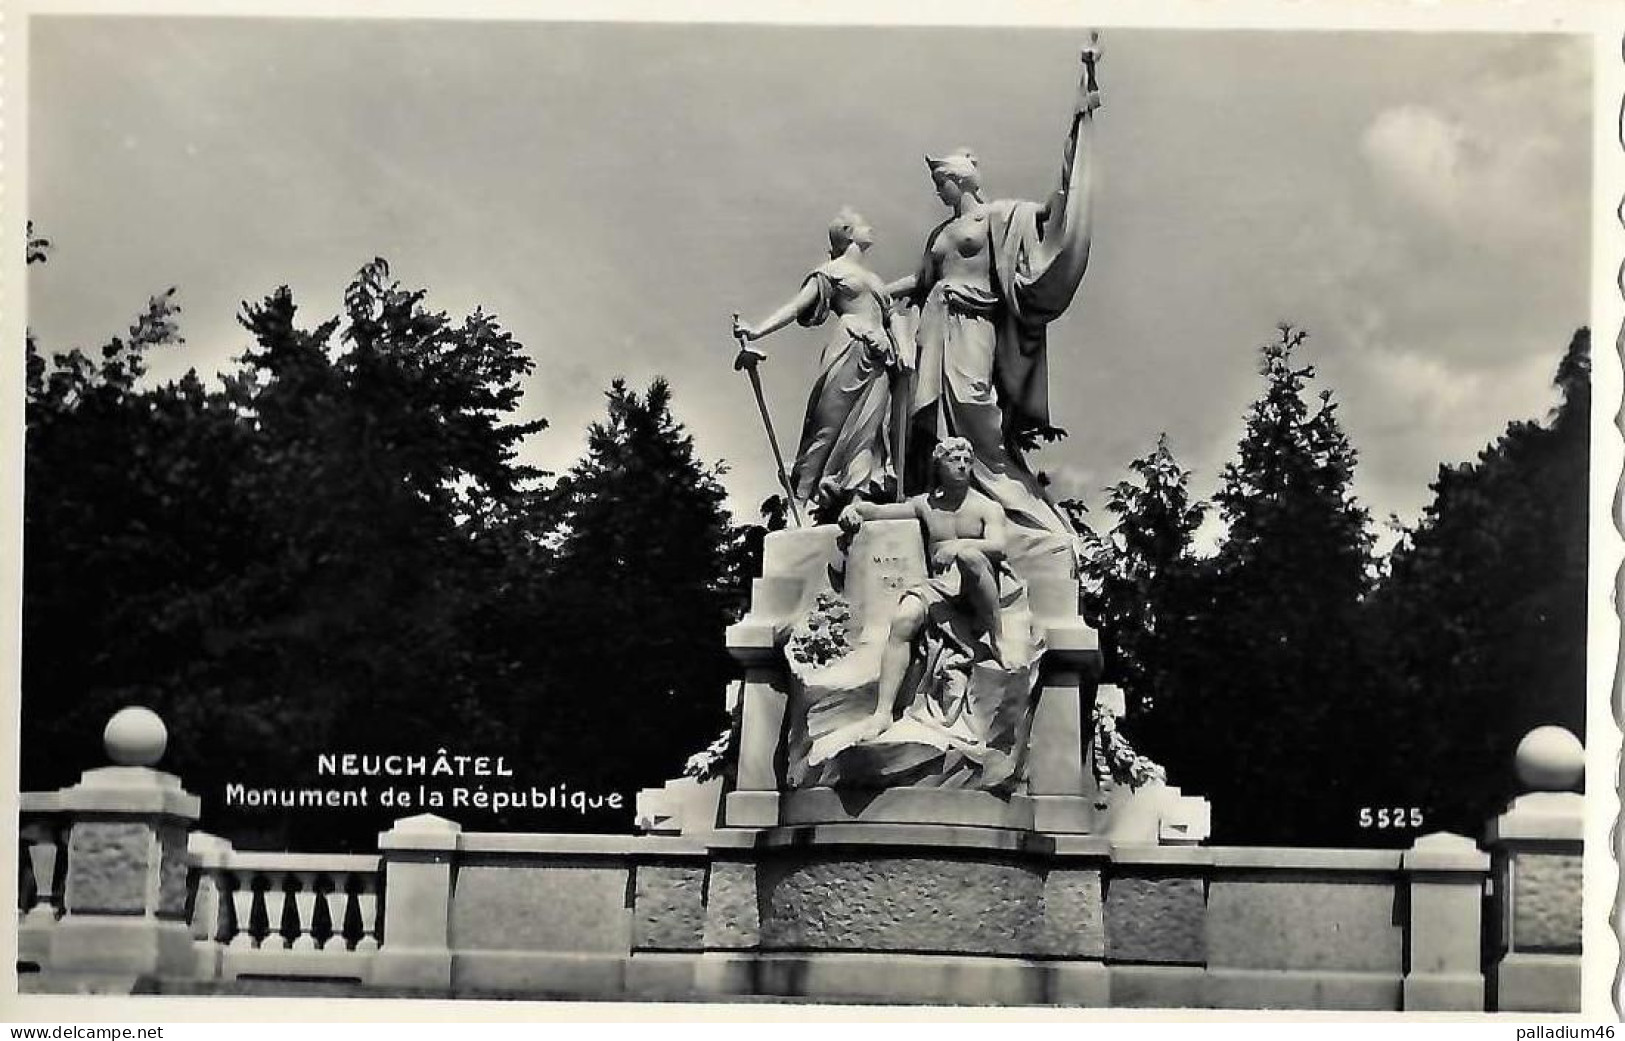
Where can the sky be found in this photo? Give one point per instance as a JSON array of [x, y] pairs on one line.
[[1419, 202]]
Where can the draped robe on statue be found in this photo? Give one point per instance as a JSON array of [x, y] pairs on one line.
[[844, 449], [981, 371]]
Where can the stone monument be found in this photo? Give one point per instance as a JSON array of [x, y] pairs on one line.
[[924, 661], [922, 762]]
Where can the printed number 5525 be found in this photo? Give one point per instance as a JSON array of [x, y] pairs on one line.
[[1391, 817]]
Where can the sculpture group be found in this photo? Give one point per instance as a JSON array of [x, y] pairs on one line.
[[956, 348], [931, 388]]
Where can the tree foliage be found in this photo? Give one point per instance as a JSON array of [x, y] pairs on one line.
[[337, 550], [646, 559], [1485, 606], [1280, 673], [1288, 679], [1141, 573], [1245, 662]]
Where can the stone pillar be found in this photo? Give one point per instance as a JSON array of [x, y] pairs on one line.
[[124, 898], [1446, 874], [1537, 845], [211, 903], [1063, 792], [1056, 780], [788, 559], [763, 697], [419, 874], [754, 802]]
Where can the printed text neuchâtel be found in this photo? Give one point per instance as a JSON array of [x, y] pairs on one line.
[[442, 764]]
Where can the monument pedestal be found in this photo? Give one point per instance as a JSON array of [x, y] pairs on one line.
[[905, 912], [751, 809], [1054, 790], [965, 887]]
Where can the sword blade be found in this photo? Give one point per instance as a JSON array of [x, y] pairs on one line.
[[773, 442]]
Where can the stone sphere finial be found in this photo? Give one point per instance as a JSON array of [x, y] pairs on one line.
[[1550, 759], [135, 736]]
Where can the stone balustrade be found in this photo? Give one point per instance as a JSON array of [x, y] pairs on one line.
[[309, 915], [117, 887]]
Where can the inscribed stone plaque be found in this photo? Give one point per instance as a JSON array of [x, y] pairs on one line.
[[924, 904], [886, 558]]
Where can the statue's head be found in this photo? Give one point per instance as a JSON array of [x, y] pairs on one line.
[[952, 460], [848, 228], [955, 174]]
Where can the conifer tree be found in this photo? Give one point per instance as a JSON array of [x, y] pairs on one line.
[[639, 595], [1140, 570], [1272, 708], [1485, 607]]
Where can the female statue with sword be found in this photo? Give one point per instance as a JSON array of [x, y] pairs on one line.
[[844, 453]]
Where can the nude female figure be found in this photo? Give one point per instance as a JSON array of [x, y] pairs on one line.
[[992, 276]]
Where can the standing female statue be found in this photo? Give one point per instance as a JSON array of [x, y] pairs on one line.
[[994, 274], [844, 453]]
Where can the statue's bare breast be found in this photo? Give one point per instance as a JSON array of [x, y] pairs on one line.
[[961, 250]]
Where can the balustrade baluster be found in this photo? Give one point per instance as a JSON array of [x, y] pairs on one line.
[[313, 892], [276, 899], [42, 857], [304, 906], [367, 904], [209, 911], [242, 906], [336, 898]]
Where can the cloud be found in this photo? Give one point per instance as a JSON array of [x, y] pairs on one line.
[[1421, 196], [1395, 397], [1499, 160], [1415, 389], [1420, 153], [1492, 190]]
